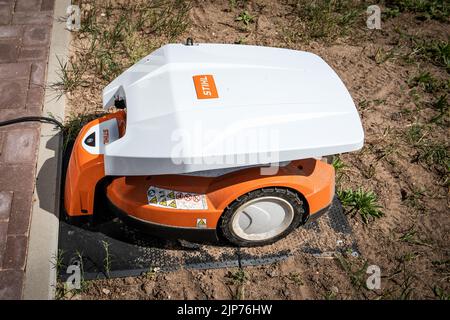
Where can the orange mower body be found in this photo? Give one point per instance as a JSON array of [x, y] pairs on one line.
[[182, 206]]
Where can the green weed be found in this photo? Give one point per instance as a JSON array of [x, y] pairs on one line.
[[107, 260], [329, 295], [238, 278], [435, 51], [119, 34], [442, 106], [360, 201], [423, 9], [414, 199], [355, 271], [434, 154], [440, 293], [411, 237], [245, 17], [238, 3], [296, 278], [324, 19], [415, 134], [338, 164], [426, 81], [152, 272], [70, 77]]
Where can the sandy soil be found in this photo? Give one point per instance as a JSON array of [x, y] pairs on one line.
[[414, 195]]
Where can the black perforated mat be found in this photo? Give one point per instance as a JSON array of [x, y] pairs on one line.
[[116, 250]]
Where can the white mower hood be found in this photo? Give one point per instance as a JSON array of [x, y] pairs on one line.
[[216, 106]]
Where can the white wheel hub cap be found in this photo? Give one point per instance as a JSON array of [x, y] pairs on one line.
[[262, 218]]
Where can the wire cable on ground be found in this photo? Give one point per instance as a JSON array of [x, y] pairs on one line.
[[32, 119]]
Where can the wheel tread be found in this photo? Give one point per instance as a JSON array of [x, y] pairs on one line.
[[293, 197]]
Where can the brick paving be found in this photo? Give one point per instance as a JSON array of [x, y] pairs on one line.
[[25, 29]]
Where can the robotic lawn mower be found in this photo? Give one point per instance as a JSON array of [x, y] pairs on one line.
[[216, 141]]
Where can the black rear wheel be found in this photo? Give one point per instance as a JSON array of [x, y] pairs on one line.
[[262, 217]]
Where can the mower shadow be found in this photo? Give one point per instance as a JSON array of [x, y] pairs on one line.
[[105, 224], [46, 178]]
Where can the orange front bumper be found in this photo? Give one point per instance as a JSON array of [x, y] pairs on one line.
[[85, 170]]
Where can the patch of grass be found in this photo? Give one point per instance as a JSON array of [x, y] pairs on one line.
[[435, 51], [240, 40], [440, 293], [238, 278], [423, 9], [62, 289], [339, 167], [337, 164], [152, 272], [329, 295], [58, 265], [414, 199], [355, 271], [390, 12], [411, 237], [360, 201], [442, 106], [115, 34], [238, 3], [415, 134], [406, 288], [407, 257], [325, 19], [426, 81], [245, 17], [434, 154], [382, 55], [57, 261], [387, 150], [70, 77], [403, 282], [295, 278]]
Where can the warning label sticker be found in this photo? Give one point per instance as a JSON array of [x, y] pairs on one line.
[[201, 223], [176, 199]]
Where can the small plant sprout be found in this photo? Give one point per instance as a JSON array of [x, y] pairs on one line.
[[338, 164], [415, 134], [430, 9], [435, 51], [360, 201], [442, 106], [152, 272], [70, 77], [434, 154], [425, 80], [245, 17], [410, 236], [355, 269], [107, 261], [239, 278], [295, 277], [329, 295], [58, 261], [62, 289], [441, 294]]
